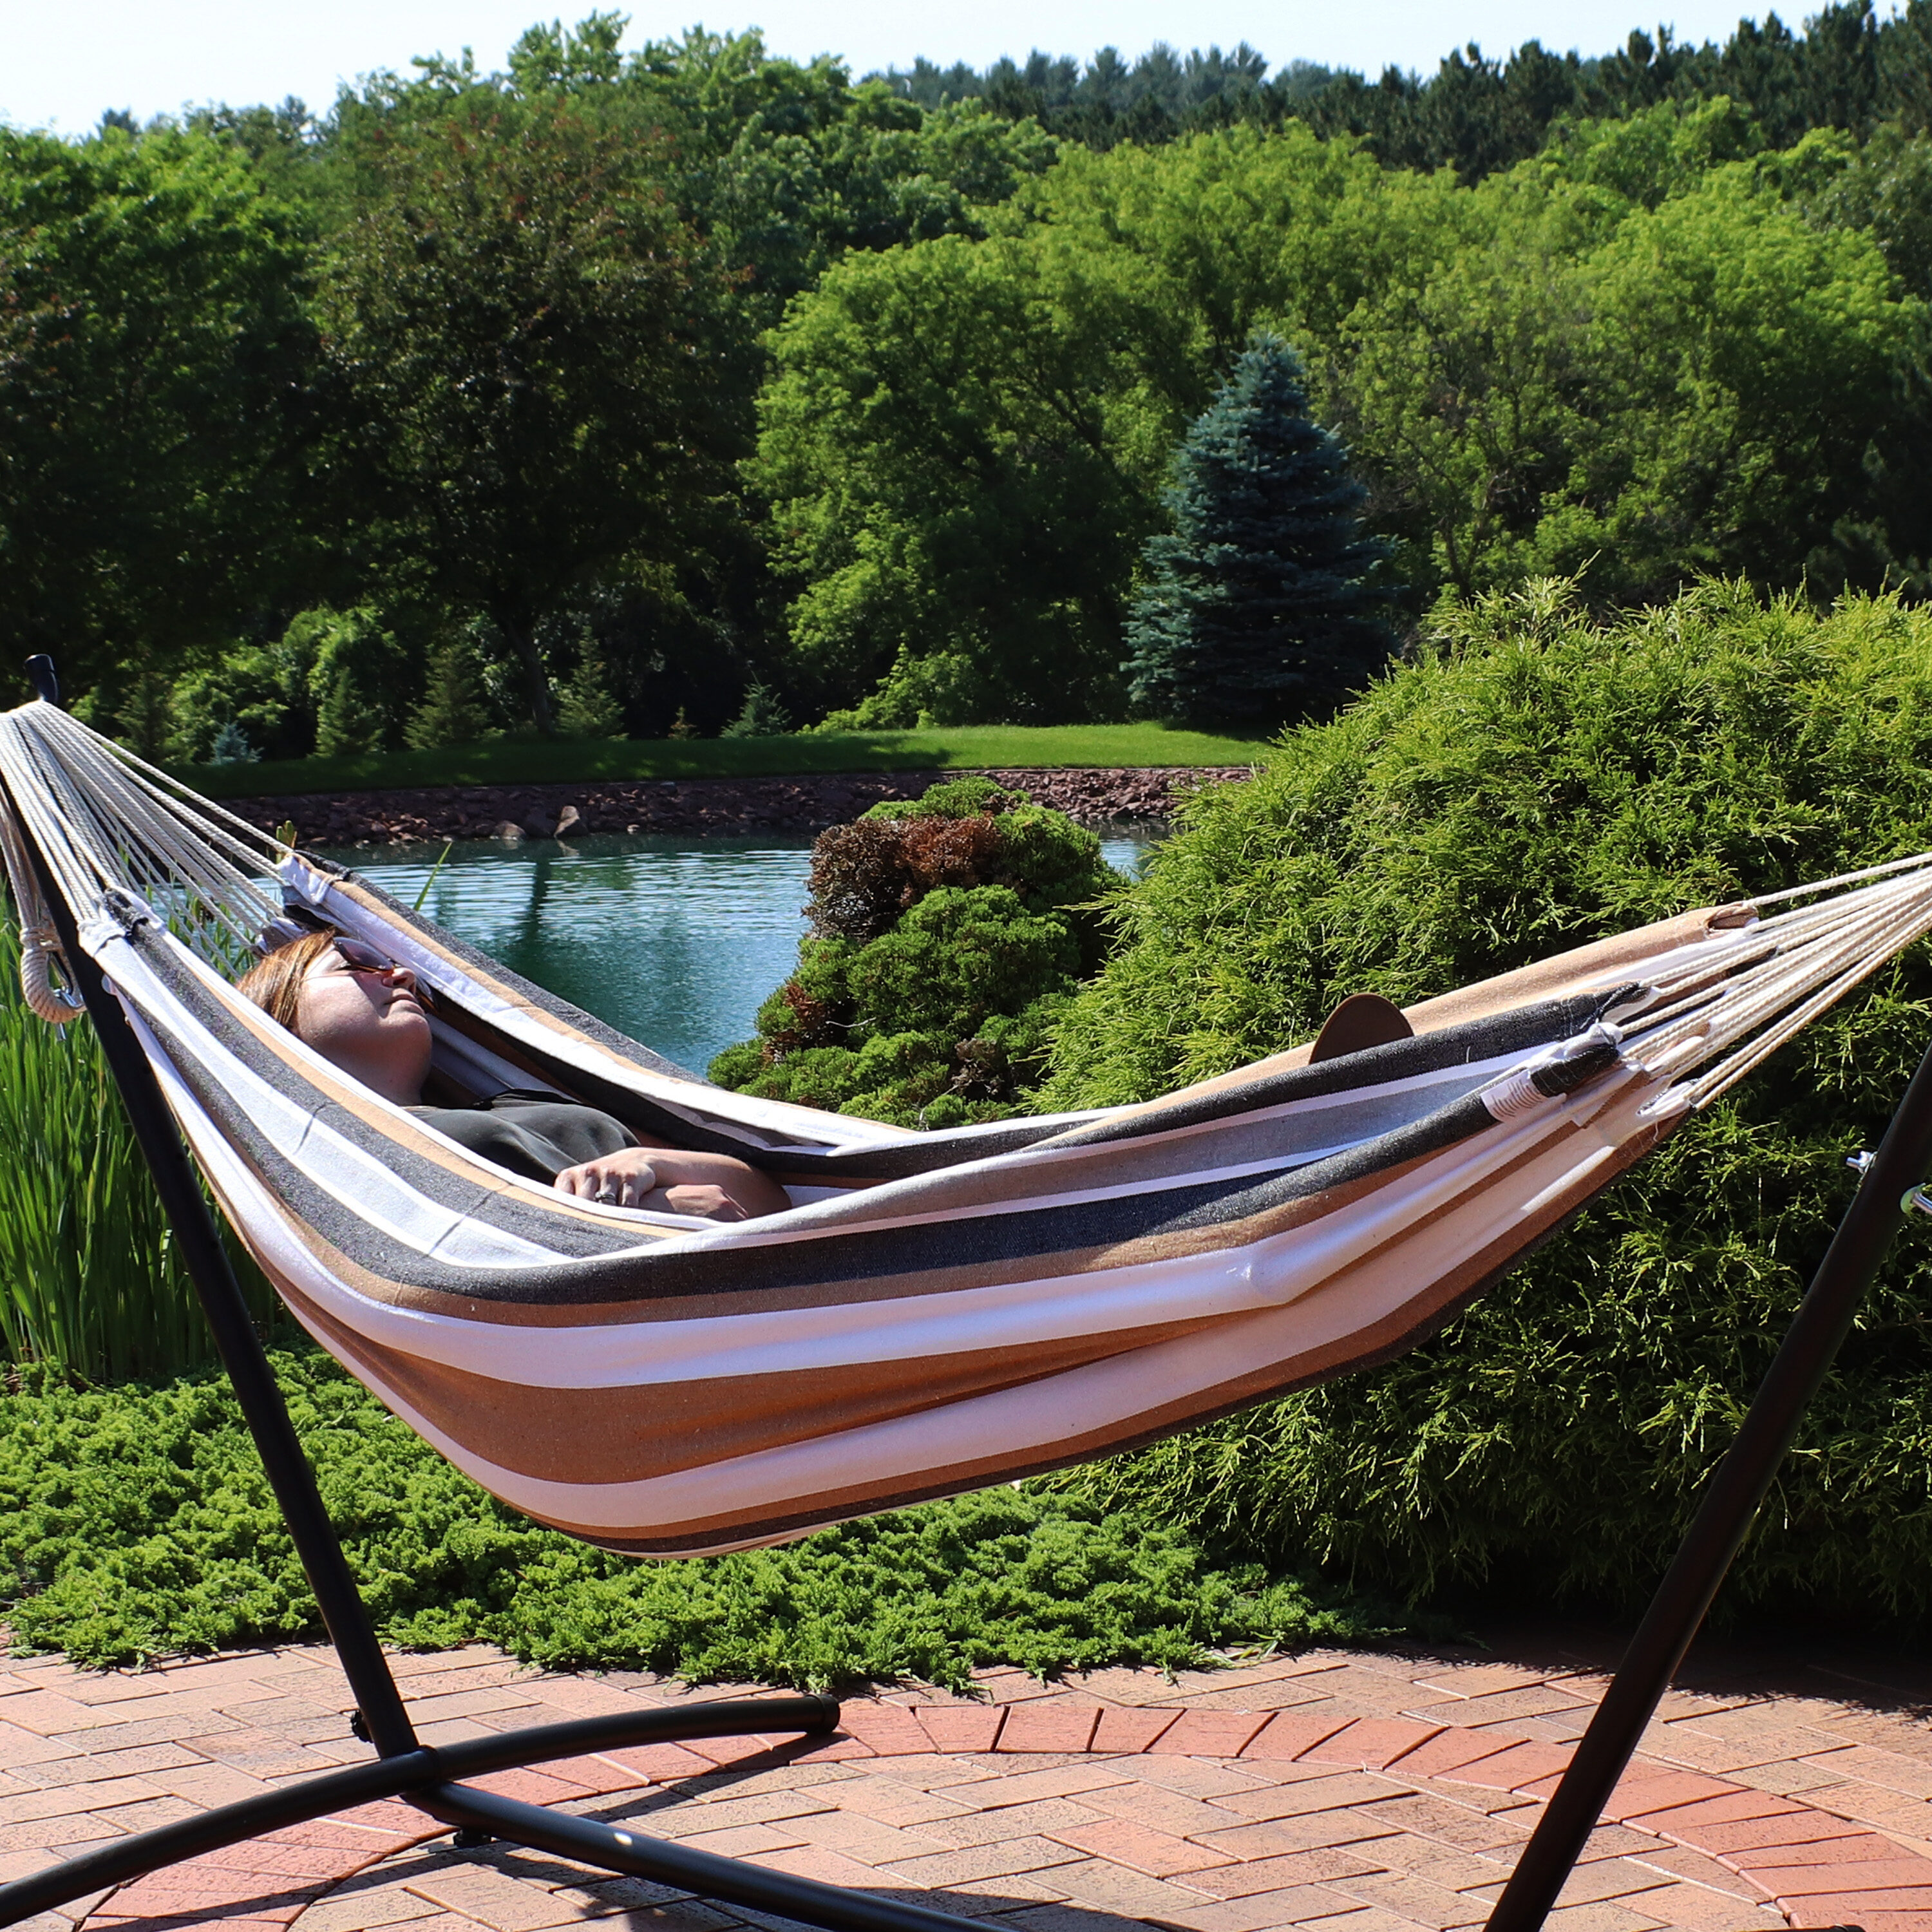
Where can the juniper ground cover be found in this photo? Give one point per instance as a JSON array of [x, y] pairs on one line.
[[135, 1520]]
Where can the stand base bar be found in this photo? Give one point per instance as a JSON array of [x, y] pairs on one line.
[[401, 1776], [704, 1873]]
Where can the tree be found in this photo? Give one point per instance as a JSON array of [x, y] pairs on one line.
[[1648, 359], [1258, 607], [961, 477], [154, 364], [589, 708], [514, 318]]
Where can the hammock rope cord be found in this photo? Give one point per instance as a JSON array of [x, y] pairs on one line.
[[935, 1312]]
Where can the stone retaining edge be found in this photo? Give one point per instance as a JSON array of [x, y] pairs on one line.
[[806, 803]]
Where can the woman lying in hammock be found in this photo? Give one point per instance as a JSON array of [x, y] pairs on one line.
[[359, 1009]]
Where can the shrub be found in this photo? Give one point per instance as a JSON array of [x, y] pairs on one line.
[[947, 933], [137, 1521], [1536, 780], [335, 682]]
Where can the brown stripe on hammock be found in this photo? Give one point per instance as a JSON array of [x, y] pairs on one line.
[[600, 1435], [1438, 1301], [454, 1401]]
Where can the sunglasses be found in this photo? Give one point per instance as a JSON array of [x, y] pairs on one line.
[[360, 958]]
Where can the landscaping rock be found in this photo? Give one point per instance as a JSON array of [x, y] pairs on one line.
[[807, 803]]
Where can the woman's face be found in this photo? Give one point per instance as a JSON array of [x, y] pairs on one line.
[[370, 1023]]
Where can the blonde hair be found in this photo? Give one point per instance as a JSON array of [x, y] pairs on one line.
[[274, 984]]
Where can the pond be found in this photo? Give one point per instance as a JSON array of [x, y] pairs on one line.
[[674, 940]]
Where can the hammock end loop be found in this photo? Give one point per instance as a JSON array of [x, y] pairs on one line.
[[39, 953]]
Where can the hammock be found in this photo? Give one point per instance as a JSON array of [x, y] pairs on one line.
[[936, 1312]]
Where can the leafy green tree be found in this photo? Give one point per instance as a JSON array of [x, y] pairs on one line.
[[946, 934], [1645, 357], [1257, 606], [515, 320], [155, 368], [958, 478], [336, 682], [358, 678], [260, 692]]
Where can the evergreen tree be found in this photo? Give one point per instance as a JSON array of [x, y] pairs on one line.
[[232, 747], [762, 716], [454, 710], [588, 708], [1257, 608], [348, 722]]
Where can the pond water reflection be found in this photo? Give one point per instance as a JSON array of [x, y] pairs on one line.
[[673, 940]]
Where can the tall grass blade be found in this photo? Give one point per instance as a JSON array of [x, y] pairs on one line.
[[90, 1282]]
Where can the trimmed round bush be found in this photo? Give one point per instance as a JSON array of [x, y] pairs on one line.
[[947, 932], [1536, 779]]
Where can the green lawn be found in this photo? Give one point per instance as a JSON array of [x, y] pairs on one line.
[[566, 760]]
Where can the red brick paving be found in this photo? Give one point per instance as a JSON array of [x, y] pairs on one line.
[[1358, 1792]]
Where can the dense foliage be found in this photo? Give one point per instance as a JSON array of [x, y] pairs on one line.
[[612, 386], [137, 1521], [1848, 68], [946, 934], [1536, 780], [154, 348], [1256, 607], [90, 1282]]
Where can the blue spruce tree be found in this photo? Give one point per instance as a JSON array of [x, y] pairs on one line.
[[1257, 608]]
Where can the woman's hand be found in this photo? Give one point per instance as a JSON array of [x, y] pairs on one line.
[[705, 1199], [709, 1187], [619, 1180]]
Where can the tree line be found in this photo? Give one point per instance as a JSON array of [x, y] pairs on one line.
[[613, 389], [1847, 69]]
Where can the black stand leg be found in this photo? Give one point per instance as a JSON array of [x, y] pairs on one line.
[[404, 1768], [1723, 1519], [343, 1615]]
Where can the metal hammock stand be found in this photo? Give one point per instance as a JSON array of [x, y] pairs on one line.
[[431, 1777]]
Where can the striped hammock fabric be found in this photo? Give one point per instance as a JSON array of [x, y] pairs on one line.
[[936, 1312]]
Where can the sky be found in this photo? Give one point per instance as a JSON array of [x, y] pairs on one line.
[[60, 69]]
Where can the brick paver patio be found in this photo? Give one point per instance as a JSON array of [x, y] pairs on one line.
[[1344, 1791]]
